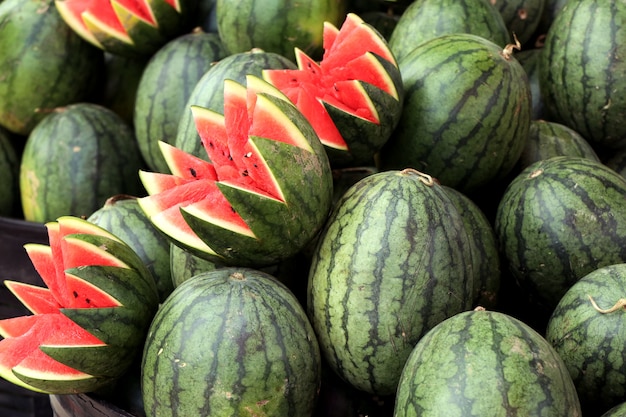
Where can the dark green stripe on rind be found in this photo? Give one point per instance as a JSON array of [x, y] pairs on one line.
[[466, 114], [483, 363], [581, 70], [560, 219], [222, 345], [166, 85], [391, 263], [593, 344]]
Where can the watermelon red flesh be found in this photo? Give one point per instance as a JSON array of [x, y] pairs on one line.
[[23, 336], [38, 300]]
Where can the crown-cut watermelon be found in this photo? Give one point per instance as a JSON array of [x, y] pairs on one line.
[[126, 27], [266, 191], [89, 324], [353, 96]]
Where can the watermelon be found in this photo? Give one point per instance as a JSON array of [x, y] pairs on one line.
[[466, 114], [165, 86], [43, 64], [547, 139], [231, 342], [529, 59], [352, 97], [89, 323], [265, 194], [276, 26], [427, 19], [617, 411], [208, 91], [76, 158], [391, 263], [582, 71], [587, 329], [127, 27], [558, 220], [122, 216], [485, 363]]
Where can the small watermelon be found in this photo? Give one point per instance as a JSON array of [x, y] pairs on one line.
[[352, 97], [89, 324], [127, 27], [266, 193], [588, 330], [231, 342], [485, 363]]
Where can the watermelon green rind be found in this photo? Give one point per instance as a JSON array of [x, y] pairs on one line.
[[390, 263], [40, 382], [560, 219], [88, 359], [480, 363], [592, 343], [120, 327], [239, 346]]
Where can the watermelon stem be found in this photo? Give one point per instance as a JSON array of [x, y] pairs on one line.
[[621, 303], [425, 178], [507, 52]]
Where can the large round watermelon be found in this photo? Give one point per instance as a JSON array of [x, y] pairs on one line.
[[391, 263]]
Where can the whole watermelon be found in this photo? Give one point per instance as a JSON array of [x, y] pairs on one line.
[[427, 19], [466, 114], [165, 86], [391, 263], [482, 364], [43, 64], [277, 26], [582, 72], [76, 158], [231, 342], [588, 331], [558, 220]]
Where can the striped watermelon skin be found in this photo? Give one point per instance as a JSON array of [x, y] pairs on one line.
[[485, 363], [231, 342], [547, 139], [122, 216], [209, 91], [390, 264], [466, 115], [592, 343], [582, 70], [75, 159], [427, 19], [277, 26], [44, 64], [558, 220], [165, 86]]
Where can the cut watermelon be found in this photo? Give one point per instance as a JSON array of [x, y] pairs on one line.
[[265, 192], [354, 55], [84, 268], [125, 26]]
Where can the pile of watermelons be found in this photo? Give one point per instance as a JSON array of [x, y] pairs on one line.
[[348, 207]]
